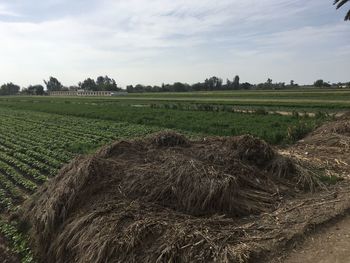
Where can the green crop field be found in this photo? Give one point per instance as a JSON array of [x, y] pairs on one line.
[[206, 120], [38, 135], [309, 100]]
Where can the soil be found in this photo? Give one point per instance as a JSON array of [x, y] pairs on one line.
[[328, 244]]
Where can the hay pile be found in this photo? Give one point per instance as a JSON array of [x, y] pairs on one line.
[[161, 199], [328, 147], [332, 134]]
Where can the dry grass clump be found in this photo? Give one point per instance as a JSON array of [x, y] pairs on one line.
[[253, 150], [332, 134], [149, 201], [169, 139], [342, 128]]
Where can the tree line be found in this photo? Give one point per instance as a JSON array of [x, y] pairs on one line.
[[105, 83], [102, 83], [217, 84]]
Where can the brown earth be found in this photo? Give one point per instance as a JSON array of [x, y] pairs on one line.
[[329, 244]]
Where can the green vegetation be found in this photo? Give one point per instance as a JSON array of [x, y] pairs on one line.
[[38, 135], [218, 120], [18, 241], [307, 99]]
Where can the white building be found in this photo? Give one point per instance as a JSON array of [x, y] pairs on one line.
[[83, 93]]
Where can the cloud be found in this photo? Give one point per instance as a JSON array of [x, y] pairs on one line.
[[6, 12], [136, 40]]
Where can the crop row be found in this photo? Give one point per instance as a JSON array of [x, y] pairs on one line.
[[31, 153], [18, 242], [17, 177], [23, 168]]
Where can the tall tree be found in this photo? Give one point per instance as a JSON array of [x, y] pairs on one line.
[[106, 83], [9, 89], [339, 4], [214, 83], [53, 84], [88, 84], [236, 82], [35, 90], [320, 83]]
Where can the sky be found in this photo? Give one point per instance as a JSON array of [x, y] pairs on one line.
[[164, 41]]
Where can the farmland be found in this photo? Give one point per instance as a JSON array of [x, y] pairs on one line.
[[38, 135], [310, 99], [205, 119]]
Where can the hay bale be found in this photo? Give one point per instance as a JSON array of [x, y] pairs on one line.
[[150, 201]]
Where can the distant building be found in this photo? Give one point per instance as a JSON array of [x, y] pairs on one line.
[[84, 93]]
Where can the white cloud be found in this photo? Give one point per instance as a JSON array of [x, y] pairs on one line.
[[5, 11], [168, 40]]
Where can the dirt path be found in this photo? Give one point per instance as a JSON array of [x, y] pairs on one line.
[[330, 244]]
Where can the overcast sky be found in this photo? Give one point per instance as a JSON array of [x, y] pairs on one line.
[[155, 41]]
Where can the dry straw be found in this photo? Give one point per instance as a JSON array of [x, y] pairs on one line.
[[161, 199]]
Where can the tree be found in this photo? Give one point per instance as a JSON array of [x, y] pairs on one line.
[[9, 89], [214, 83], [53, 84], [180, 87], [106, 83], [139, 88], [130, 88], [88, 84], [198, 86], [339, 4], [320, 83], [36, 90], [228, 84], [246, 85], [235, 83]]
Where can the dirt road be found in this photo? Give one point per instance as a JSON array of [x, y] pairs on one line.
[[330, 244]]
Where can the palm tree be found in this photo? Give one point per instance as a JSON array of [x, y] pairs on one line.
[[339, 4]]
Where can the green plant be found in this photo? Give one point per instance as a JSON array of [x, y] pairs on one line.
[[298, 131]]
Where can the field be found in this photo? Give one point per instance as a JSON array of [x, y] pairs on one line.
[[38, 135], [198, 118]]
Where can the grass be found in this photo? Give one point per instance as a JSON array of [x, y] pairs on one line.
[[273, 128], [303, 99]]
